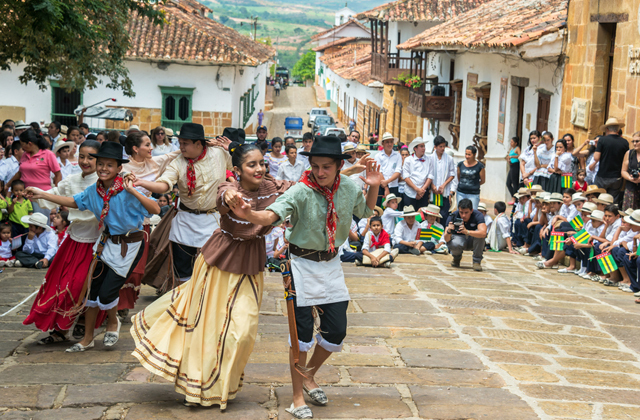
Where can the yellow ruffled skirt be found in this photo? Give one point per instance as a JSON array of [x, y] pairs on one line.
[[201, 334]]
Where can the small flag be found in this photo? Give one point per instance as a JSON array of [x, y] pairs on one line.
[[425, 234], [581, 237], [638, 250], [437, 199], [567, 180], [529, 184], [556, 241], [436, 232], [420, 217], [607, 263], [577, 223]]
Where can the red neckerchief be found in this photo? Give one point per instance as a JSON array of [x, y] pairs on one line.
[[116, 186], [383, 239], [332, 215], [191, 172], [61, 235]]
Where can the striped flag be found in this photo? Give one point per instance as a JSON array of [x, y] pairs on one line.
[[577, 223], [529, 184], [436, 232], [567, 180], [556, 241], [581, 237], [425, 235], [607, 263], [437, 199]]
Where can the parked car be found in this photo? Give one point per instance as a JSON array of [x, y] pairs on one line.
[[313, 114], [293, 127], [334, 131], [322, 122]]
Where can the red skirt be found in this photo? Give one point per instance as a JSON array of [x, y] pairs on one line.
[[62, 287], [131, 289]]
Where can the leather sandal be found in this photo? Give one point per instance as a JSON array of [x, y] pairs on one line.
[[302, 412], [317, 395], [54, 336], [111, 337]]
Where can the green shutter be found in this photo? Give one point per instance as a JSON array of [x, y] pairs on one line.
[[177, 106]]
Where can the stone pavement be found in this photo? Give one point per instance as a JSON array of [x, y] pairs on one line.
[[425, 342]]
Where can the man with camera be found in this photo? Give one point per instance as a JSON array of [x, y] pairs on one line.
[[466, 231]]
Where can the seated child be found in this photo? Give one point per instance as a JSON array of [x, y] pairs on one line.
[[390, 203], [499, 237], [482, 208], [40, 244], [595, 227], [575, 251], [376, 249], [407, 232], [6, 252], [17, 207], [364, 224], [434, 244], [580, 185]]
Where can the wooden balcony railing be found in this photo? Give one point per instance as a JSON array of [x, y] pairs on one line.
[[387, 68], [425, 105]]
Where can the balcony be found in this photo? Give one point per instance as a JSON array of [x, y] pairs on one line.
[[387, 67], [424, 105]]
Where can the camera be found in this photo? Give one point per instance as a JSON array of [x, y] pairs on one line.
[[634, 173], [457, 223]]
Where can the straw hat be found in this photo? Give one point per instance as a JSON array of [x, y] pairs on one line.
[[555, 198], [588, 207], [625, 213], [60, 144], [611, 121], [63, 129], [604, 199], [522, 192], [482, 207], [349, 147], [597, 215], [431, 210], [417, 141], [633, 218], [379, 210], [409, 211], [361, 147], [578, 197], [593, 189], [391, 197], [537, 188], [37, 219], [168, 132], [387, 136]]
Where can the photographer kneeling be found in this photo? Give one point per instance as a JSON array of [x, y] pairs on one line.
[[466, 231]]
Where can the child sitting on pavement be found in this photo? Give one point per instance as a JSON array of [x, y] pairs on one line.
[[376, 249], [6, 251], [406, 233], [390, 204], [575, 251], [17, 207], [40, 244], [499, 237], [431, 214], [482, 208], [595, 227]]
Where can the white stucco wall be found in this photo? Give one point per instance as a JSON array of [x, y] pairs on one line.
[[217, 89], [348, 31], [355, 91], [343, 15]]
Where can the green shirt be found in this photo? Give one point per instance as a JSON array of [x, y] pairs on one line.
[[19, 210], [308, 211]]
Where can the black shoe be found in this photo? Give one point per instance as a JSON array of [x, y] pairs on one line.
[[414, 251], [39, 265], [122, 314], [455, 263], [78, 332]]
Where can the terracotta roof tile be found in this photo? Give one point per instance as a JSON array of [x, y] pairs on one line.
[[342, 41], [351, 62], [499, 23], [335, 28], [420, 10], [188, 36]]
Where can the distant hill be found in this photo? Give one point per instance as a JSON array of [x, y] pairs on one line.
[[287, 24]]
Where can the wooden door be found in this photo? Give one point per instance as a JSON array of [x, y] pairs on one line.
[[544, 104]]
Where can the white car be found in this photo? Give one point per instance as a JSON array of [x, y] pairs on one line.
[[334, 131], [314, 113]]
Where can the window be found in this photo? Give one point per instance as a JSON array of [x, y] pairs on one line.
[[63, 104], [248, 105], [176, 106]]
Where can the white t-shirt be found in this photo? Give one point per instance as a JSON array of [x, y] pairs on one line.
[[5, 249], [367, 243]]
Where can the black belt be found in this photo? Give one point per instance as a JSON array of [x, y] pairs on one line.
[[312, 254], [129, 238], [198, 212]]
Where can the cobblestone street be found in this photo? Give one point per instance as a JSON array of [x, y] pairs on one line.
[[425, 341]]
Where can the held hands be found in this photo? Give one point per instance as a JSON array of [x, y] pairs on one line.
[[242, 208], [221, 141], [129, 186], [374, 261], [33, 193], [232, 198]]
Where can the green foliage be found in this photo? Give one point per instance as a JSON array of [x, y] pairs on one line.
[[77, 42], [298, 31], [265, 40], [305, 68], [223, 19]]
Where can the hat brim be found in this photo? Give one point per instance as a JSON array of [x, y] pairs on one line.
[[193, 138], [629, 220], [56, 149], [378, 209], [433, 214], [98, 155], [578, 199], [595, 200], [415, 213], [328, 155], [554, 200], [25, 219], [604, 127], [384, 203], [596, 191], [583, 210]]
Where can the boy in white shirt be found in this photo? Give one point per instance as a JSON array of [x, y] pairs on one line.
[[364, 225], [41, 243], [376, 249], [435, 244], [390, 213], [482, 208], [603, 241], [575, 252], [292, 169], [407, 232], [521, 217], [499, 237], [62, 150]]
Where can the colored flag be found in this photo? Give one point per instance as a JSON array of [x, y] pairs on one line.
[[607, 263], [421, 217], [437, 199], [529, 184], [436, 232], [581, 237], [567, 180], [425, 235], [556, 241], [577, 223], [638, 250]]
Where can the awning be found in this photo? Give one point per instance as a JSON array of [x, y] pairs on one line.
[[118, 114]]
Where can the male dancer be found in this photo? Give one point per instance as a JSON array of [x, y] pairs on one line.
[[315, 264], [198, 173]]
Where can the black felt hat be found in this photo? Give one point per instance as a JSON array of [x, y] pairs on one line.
[[327, 146], [234, 134], [191, 131], [110, 150]]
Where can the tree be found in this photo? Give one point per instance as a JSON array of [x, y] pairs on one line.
[[298, 31], [223, 19], [305, 68], [76, 42]]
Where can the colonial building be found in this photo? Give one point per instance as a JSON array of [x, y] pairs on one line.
[[191, 69], [602, 73], [392, 24], [504, 66]]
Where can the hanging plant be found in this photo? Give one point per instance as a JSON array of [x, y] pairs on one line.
[[412, 82]]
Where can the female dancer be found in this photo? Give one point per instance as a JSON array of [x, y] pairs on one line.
[[64, 281], [144, 166], [201, 334]]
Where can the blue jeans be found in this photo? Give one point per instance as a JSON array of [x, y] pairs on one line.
[[475, 199]]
